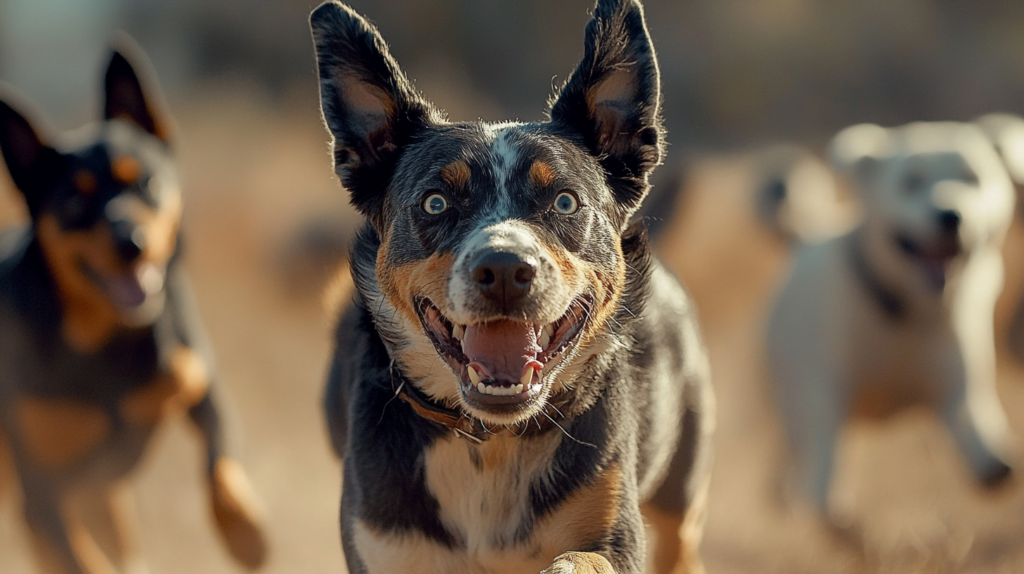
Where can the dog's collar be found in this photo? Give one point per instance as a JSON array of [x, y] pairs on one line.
[[460, 423], [892, 304]]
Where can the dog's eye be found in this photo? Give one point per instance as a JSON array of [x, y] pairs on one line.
[[435, 204], [566, 203]]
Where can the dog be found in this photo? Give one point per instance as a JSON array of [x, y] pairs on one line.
[[1007, 133], [510, 383], [99, 338], [898, 311]]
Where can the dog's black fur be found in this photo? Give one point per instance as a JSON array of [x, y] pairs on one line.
[[441, 473], [99, 339]]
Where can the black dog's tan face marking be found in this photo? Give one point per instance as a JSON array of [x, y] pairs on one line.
[[106, 208], [498, 262]]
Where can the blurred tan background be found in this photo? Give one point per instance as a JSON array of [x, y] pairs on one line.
[[266, 220]]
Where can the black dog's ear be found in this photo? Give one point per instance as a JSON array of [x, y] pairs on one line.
[[130, 90], [369, 106], [613, 98], [32, 163]]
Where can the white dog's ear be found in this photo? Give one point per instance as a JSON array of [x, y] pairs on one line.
[[1006, 132], [856, 151]]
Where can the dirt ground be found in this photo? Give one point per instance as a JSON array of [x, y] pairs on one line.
[[252, 184]]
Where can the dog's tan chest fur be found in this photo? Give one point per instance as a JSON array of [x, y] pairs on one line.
[[483, 495]]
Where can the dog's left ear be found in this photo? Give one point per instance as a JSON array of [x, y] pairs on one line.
[[369, 106], [613, 99], [129, 97]]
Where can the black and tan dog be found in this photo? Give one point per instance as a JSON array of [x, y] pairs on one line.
[[98, 338], [511, 383]]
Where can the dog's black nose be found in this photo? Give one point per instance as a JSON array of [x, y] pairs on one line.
[[949, 221], [129, 240], [503, 277]]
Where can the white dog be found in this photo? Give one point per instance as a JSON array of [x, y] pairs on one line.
[[899, 311]]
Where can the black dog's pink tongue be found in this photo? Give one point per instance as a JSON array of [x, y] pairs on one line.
[[126, 291], [503, 348]]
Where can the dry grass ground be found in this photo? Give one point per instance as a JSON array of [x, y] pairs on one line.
[[255, 175]]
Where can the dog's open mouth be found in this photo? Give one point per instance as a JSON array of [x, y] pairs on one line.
[[128, 290], [935, 261], [501, 364]]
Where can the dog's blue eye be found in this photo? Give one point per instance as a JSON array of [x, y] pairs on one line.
[[435, 204], [566, 203]]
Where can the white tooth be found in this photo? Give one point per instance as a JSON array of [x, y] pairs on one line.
[[549, 330], [545, 338], [458, 332], [473, 375], [527, 376], [490, 390], [518, 389], [481, 388]]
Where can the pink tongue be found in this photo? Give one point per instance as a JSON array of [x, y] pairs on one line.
[[503, 348], [936, 268], [126, 292]]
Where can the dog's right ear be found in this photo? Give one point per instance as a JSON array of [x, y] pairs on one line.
[[857, 150], [32, 163], [131, 92], [1006, 132], [369, 106]]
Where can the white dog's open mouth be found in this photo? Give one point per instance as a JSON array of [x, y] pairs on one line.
[[935, 260], [501, 364]]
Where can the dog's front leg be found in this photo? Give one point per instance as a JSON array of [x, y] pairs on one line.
[[971, 410], [580, 563], [236, 509]]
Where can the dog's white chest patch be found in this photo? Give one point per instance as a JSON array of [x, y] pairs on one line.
[[483, 496]]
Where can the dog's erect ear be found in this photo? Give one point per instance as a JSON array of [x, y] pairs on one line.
[[130, 90], [613, 99], [856, 151], [32, 163], [1006, 132], [369, 106]]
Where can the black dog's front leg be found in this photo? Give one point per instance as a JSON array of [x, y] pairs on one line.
[[236, 509]]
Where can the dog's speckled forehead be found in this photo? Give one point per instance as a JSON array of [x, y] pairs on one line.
[[383, 130], [493, 172]]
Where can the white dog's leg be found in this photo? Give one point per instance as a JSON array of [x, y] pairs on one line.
[[813, 415], [972, 411]]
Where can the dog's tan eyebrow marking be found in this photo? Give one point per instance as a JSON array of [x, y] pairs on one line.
[[542, 174], [456, 174], [125, 169], [85, 182]]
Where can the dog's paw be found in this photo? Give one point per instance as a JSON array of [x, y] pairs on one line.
[[237, 513], [580, 563]]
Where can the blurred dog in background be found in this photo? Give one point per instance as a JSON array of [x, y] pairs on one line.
[[899, 311], [99, 339]]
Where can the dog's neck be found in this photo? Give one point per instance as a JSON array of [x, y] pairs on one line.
[[897, 295], [890, 301]]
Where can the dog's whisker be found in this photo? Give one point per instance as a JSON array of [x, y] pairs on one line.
[[566, 433]]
